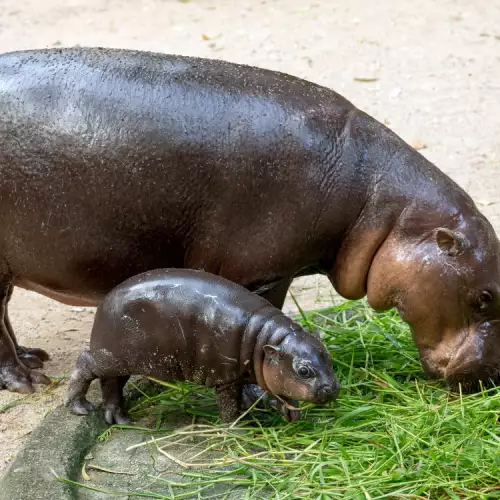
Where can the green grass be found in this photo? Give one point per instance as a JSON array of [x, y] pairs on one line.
[[391, 434]]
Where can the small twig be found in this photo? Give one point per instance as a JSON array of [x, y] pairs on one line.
[[210, 429], [185, 465], [288, 405], [255, 466], [408, 495], [103, 469]]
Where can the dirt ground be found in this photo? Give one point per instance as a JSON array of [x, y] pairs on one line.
[[430, 70]]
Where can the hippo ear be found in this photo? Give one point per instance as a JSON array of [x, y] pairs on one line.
[[273, 352], [449, 242]]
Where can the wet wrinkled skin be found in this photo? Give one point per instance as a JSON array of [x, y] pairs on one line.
[[116, 162], [459, 339], [180, 324]]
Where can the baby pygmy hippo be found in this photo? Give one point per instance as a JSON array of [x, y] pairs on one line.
[[183, 324]]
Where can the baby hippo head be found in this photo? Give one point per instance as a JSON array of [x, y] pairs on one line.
[[300, 368]]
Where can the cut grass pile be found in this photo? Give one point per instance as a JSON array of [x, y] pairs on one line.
[[391, 434]]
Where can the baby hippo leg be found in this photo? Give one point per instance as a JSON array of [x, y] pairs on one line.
[[79, 385], [228, 399], [112, 395]]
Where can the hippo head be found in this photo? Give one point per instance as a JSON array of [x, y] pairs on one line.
[[300, 368], [445, 283]]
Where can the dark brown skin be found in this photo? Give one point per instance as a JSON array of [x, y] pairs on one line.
[[115, 162], [183, 324]]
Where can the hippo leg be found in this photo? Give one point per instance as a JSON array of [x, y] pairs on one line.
[[112, 395], [79, 384], [32, 358], [229, 402], [14, 375], [277, 295]]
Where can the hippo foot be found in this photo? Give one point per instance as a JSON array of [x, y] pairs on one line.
[[19, 378], [116, 415], [80, 406], [32, 358], [252, 392]]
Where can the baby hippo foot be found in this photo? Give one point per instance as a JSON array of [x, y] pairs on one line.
[[16, 377], [115, 414], [112, 394], [32, 358], [252, 393], [80, 405]]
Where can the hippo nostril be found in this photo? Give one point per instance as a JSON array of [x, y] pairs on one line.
[[329, 392]]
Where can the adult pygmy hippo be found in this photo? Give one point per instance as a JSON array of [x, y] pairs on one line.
[[115, 162], [184, 324]]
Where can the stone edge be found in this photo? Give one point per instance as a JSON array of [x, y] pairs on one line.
[[57, 446]]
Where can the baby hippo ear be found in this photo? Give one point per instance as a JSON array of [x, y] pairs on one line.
[[449, 241], [273, 352]]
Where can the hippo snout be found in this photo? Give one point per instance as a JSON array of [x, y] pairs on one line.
[[469, 357], [328, 392]]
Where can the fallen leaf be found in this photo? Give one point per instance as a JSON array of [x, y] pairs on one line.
[[85, 476], [418, 144], [365, 80], [206, 37], [369, 42]]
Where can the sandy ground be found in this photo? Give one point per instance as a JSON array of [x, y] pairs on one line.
[[434, 71]]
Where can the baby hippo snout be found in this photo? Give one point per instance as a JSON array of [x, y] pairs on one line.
[[328, 392]]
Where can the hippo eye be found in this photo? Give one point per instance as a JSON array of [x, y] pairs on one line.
[[305, 372], [484, 300]]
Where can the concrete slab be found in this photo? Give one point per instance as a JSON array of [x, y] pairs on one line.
[[78, 449]]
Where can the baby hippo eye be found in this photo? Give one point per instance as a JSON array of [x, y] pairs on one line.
[[485, 298], [305, 372]]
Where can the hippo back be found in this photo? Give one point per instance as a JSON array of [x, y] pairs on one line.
[[123, 161]]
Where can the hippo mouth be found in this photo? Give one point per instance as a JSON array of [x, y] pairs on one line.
[[467, 378], [474, 380]]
